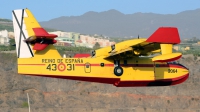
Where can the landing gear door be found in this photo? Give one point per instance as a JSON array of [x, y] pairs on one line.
[[87, 67]]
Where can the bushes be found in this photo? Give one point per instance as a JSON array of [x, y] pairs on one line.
[[73, 49], [4, 48]]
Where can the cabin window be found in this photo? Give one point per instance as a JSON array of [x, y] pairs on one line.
[[87, 66], [102, 64]]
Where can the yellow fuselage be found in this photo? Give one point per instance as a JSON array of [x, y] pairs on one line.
[[136, 70]]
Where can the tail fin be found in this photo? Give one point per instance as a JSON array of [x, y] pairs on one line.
[[24, 50], [30, 38]]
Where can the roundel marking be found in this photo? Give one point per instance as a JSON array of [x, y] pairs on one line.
[[61, 67]]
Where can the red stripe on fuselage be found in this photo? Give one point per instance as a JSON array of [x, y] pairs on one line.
[[94, 64], [129, 65], [123, 65], [33, 64]]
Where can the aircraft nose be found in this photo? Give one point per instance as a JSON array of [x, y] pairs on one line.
[[183, 66], [182, 69], [183, 74], [185, 69]]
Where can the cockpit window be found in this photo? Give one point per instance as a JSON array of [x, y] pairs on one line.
[[173, 62]]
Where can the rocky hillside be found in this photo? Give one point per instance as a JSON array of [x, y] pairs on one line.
[[59, 95]]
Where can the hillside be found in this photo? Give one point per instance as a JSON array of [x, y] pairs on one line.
[[6, 24], [49, 94], [116, 24]]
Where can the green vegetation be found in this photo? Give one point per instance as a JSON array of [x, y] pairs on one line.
[[195, 52], [62, 49], [5, 20], [4, 48], [10, 47], [168, 101], [192, 40], [193, 48], [72, 50], [12, 44], [25, 105], [6, 24], [96, 46], [10, 28], [7, 27]]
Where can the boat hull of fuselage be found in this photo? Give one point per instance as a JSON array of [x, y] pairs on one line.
[[136, 73]]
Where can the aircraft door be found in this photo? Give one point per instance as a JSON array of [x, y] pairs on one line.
[[87, 67]]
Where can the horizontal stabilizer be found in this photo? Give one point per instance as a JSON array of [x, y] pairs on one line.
[[167, 57], [39, 46], [165, 35], [40, 32]]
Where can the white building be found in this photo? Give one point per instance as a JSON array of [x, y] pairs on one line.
[[4, 37], [61, 34]]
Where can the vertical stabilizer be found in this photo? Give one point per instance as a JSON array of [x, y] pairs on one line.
[[31, 39]]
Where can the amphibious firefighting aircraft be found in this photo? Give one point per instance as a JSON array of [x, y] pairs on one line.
[[126, 64]]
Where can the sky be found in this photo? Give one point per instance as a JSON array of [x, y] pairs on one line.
[[45, 10]]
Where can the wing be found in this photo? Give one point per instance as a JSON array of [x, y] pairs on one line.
[[138, 49], [41, 32], [160, 41]]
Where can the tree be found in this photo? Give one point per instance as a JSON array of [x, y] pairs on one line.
[[96, 46], [12, 44]]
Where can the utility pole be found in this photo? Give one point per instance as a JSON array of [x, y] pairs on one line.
[[28, 103]]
